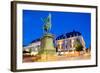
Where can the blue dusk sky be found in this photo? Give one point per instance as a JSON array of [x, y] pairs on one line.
[[62, 22]]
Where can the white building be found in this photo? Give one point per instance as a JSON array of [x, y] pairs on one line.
[[34, 47], [67, 41]]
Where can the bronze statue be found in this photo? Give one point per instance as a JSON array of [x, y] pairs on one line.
[[47, 24]]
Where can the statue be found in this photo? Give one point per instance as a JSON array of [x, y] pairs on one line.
[[47, 24], [47, 46]]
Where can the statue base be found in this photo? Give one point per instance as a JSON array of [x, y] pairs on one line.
[[47, 47]]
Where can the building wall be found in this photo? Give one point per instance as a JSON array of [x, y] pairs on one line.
[[68, 43], [33, 46]]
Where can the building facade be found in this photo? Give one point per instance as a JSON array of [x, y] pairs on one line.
[[67, 42], [34, 47]]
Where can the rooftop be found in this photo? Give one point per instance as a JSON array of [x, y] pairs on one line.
[[68, 35]]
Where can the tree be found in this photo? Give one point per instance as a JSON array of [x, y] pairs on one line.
[[30, 50], [78, 45]]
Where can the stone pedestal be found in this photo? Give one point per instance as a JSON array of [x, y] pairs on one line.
[[47, 47]]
